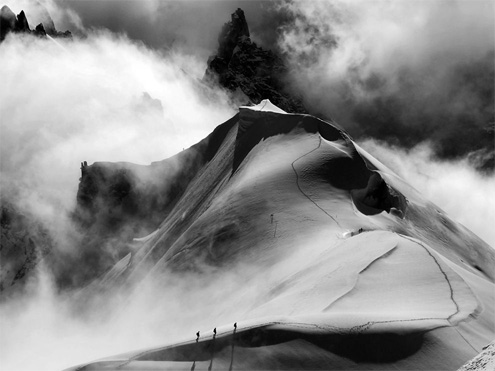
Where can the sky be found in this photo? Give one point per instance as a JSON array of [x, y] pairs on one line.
[[412, 82], [401, 71], [408, 74]]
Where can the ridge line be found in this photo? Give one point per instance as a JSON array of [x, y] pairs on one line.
[[444, 274], [299, 187]]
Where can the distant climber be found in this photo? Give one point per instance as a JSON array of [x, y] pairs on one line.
[[213, 349], [84, 165], [197, 336], [232, 351]]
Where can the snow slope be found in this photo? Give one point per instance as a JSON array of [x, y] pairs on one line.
[[325, 259]]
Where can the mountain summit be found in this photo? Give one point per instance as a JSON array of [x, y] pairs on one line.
[[246, 70], [9, 22], [321, 256], [232, 33]]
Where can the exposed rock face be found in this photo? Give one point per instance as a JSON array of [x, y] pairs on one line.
[[10, 23], [23, 243], [231, 33], [40, 30], [22, 24], [119, 201], [243, 67], [47, 20], [484, 361], [114, 195]]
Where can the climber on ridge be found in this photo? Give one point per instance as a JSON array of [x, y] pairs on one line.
[[84, 165]]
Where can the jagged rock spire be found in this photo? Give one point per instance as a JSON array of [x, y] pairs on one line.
[[46, 20], [40, 30], [249, 72], [232, 32], [22, 24], [7, 21], [10, 23]]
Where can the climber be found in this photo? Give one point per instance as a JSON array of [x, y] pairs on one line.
[[197, 336], [83, 167]]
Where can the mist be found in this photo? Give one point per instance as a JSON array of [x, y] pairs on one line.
[[102, 97], [58, 334], [402, 72], [133, 95], [45, 10], [192, 25], [462, 192], [411, 80]]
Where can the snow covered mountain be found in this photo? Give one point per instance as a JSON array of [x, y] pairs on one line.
[[322, 256], [284, 244]]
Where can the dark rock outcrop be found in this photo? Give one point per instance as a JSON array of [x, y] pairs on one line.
[[46, 20], [119, 201], [233, 31], [24, 242], [116, 195], [22, 24], [244, 68], [40, 30], [9, 22]]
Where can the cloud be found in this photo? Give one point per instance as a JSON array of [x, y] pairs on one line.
[[60, 331], [462, 192], [41, 11], [398, 71], [193, 25], [416, 77], [107, 97], [67, 101], [98, 98]]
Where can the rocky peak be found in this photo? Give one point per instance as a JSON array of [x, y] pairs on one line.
[[9, 22], [47, 21], [22, 22], [7, 15], [24, 242], [40, 30], [247, 71], [232, 33]]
